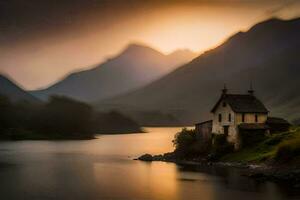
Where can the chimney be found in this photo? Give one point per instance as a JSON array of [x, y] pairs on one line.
[[224, 91], [251, 91]]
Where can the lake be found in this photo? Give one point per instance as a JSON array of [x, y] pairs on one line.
[[104, 168]]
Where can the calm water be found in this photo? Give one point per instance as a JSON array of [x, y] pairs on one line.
[[103, 169]]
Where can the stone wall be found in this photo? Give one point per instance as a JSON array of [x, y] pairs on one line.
[[204, 131]]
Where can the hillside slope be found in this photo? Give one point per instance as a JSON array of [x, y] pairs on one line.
[[134, 67], [267, 55], [14, 92]]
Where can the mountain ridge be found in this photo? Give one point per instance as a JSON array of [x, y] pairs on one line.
[[137, 64], [194, 87], [10, 89]]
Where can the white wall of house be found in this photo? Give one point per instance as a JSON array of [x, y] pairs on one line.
[[218, 127], [236, 118]]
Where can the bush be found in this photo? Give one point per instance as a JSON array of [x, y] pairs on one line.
[[220, 146], [287, 150], [251, 138], [187, 145], [277, 138], [219, 139]]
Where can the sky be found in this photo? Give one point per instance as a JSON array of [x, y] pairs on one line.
[[41, 41]]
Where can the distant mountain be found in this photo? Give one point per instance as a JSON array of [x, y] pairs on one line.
[[14, 92], [267, 55], [133, 68]]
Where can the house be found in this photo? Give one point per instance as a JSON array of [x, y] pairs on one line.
[[235, 113]]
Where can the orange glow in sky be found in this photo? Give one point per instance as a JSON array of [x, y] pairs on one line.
[[44, 57]]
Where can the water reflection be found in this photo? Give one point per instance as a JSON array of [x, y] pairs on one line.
[[141, 181], [229, 184], [104, 169]]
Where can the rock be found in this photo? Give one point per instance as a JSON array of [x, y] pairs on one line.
[[146, 157], [257, 175], [169, 156], [158, 158], [296, 186]]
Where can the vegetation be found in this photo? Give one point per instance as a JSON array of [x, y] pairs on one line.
[[288, 150], [59, 118], [64, 117], [188, 145], [220, 147], [251, 138], [280, 147], [114, 122]]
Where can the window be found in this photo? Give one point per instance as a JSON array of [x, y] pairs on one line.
[[220, 117], [224, 104], [256, 118], [243, 117], [229, 117]]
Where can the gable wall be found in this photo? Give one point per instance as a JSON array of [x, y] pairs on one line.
[[218, 127]]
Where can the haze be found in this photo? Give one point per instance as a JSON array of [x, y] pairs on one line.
[[42, 41]]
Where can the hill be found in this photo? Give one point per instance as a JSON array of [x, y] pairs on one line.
[[11, 90], [267, 55], [135, 67], [59, 118]]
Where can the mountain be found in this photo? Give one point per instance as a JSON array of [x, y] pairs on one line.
[[267, 55], [14, 92], [134, 67]]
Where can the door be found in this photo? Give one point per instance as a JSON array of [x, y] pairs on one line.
[[226, 130]]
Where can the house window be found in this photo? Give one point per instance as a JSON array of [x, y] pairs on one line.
[[256, 118], [220, 117], [229, 117], [224, 104], [243, 117]]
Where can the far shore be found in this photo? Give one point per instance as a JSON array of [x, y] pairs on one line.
[[57, 137]]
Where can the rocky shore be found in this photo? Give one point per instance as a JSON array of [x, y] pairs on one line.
[[259, 172]]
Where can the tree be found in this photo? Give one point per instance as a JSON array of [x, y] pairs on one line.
[[65, 117]]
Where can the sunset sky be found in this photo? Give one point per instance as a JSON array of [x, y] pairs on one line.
[[43, 40]]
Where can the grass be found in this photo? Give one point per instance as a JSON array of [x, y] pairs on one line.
[[268, 149]]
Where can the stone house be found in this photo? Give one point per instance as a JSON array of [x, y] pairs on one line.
[[234, 113]]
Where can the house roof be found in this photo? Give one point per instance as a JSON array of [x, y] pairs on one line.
[[253, 126], [242, 103], [205, 122], [276, 120]]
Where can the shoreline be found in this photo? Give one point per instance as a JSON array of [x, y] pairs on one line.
[[259, 172], [57, 137]]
